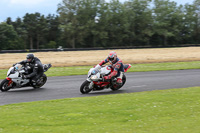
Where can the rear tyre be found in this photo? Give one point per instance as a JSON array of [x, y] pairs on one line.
[[41, 81], [84, 89], [114, 87], [5, 85], [123, 80]]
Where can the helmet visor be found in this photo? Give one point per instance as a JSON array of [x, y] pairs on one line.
[[111, 59], [28, 58]]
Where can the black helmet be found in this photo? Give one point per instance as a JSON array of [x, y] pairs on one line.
[[30, 57]]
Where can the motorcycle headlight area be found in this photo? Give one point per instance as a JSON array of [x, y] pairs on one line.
[[93, 77]]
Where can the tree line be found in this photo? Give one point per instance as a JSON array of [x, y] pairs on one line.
[[96, 23]]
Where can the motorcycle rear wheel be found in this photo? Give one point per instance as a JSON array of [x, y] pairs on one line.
[[43, 80], [84, 89], [4, 85], [123, 82]]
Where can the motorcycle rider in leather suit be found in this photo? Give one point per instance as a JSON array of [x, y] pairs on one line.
[[116, 64], [35, 68]]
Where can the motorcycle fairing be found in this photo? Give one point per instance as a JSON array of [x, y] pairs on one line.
[[101, 84]]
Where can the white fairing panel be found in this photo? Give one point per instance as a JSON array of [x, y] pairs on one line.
[[105, 70], [94, 74], [15, 75]]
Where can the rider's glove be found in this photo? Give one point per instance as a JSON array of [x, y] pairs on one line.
[[14, 64]]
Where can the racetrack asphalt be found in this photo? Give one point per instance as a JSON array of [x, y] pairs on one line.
[[69, 86]]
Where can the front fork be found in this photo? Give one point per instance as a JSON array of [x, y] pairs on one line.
[[10, 81], [91, 85]]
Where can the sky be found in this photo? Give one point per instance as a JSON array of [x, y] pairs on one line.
[[18, 8]]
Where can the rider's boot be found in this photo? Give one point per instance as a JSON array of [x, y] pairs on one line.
[[119, 82], [33, 82]]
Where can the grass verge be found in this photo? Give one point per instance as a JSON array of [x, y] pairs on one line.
[[81, 70], [161, 111]]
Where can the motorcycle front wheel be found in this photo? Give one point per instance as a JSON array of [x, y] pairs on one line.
[[5, 85], [84, 89]]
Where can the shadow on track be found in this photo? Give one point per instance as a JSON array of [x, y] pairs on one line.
[[24, 90], [105, 92]]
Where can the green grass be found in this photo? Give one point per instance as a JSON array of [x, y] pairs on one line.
[[161, 111], [81, 70]]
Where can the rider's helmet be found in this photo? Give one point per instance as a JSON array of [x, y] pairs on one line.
[[30, 57], [112, 57]]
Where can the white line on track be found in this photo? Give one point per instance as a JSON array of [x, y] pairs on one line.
[[137, 86]]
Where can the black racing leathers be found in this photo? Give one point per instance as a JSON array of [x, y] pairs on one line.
[[35, 69]]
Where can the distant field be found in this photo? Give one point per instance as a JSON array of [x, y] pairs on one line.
[[85, 58]]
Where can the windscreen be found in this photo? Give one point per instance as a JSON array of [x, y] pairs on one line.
[[95, 71]]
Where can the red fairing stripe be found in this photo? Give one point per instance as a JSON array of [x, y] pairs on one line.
[[101, 84], [8, 78], [10, 81]]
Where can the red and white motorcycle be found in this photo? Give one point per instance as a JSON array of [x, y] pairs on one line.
[[96, 82]]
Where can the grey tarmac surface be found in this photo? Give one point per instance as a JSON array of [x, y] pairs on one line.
[[68, 86]]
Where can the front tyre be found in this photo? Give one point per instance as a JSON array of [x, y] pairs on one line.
[[84, 89], [40, 82], [6, 85]]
